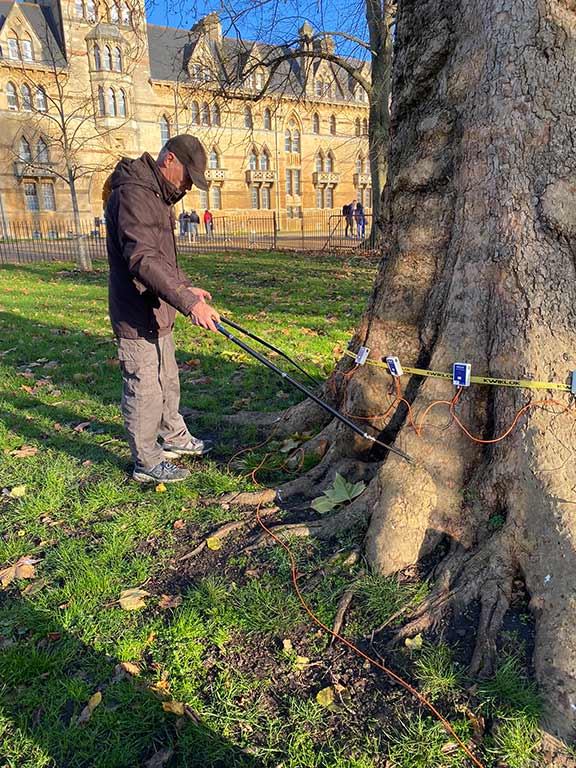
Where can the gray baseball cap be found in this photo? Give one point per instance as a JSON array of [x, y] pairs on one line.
[[189, 150]]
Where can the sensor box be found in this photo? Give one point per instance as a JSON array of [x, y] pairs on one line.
[[394, 366], [362, 356], [461, 374]]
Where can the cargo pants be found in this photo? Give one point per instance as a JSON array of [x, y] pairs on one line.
[[150, 397]]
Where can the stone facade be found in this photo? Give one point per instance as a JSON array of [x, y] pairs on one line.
[[78, 89]]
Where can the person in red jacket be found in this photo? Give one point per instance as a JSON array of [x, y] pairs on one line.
[[208, 223], [146, 289]]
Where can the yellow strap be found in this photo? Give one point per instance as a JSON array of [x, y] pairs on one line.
[[475, 379]]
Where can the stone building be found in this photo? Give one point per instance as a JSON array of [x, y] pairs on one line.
[[83, 83]]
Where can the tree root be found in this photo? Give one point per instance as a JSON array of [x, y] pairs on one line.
[[219, 533], [242, 498], [486, 576], [343, 606]]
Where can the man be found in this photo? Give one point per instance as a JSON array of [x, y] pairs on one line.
[[350, 219], [194, 222], [146, 288]]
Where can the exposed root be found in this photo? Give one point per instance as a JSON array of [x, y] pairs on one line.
[[242, 498], [219, 533], [343, 606]]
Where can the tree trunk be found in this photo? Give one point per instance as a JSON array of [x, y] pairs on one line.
[[378, 21], [83, 260], [481, 239]]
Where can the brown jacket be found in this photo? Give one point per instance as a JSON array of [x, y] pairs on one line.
[[146, 285]]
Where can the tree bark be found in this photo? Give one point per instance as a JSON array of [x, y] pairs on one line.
[[83, 260], [480, 230]]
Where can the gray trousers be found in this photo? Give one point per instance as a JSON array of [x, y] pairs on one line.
[[150, 397]]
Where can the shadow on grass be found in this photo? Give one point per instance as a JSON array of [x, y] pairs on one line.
[[47, 677]]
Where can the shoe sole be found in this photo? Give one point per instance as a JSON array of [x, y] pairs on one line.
[[171, 454], [141, 478]]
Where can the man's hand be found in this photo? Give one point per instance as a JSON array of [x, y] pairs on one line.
[[200, 294], [204, 315]]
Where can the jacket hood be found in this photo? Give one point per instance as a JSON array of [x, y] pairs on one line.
[[144, 172]]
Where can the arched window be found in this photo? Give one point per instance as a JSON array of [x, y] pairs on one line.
[[287, 141], [111, 102], [316, 123], [164, 129], [27, 50], [117, 60], [248, 118], [40, 100], [97, 58], [194, 113], [329, 164], [267, 120], [126, 15], [365, 127], [121, 103], [114, 14], [12, 96], [357, 129], [79, 9], [90, 10], [359, 164], [26, 95], [264, 161], [101, 102], [333, 125], [13, 48], [42, 151], [107, 58], [253, 160], [319, 163], [24, 152], [215, 114], [213, 160], [318, 87], [205, 114], [296, 140]]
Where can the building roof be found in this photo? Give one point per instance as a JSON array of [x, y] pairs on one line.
[[43, 25]]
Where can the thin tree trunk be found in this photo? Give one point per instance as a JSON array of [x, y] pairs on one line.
[[83, 260]]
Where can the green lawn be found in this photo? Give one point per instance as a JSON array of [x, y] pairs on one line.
[[211, 674]]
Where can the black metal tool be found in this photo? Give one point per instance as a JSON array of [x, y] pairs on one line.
[[310, 394], [270, 346]]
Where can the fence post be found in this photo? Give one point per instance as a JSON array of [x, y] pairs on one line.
[[275, 232]]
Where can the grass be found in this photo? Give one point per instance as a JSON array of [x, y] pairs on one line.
[[94, 533]]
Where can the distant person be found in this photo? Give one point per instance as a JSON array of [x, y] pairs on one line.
[[345, 214], [183, 220], [146, 289], [208, 223], [351, 208], [194, 223], [360, 218]]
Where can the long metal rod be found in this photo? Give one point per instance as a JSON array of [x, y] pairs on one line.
[[310, 394], [270, 346]]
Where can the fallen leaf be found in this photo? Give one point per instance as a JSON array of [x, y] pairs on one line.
[[160, 488], [414, 643], [86, 713], [130, 668], [23, 568], [326, 696], [300, 663], [287, 645], [82, 426], [214, 543], [24, 452], [17, 492], [162, 686], [169, 601], [159, 759], [176, 707], [133, 599], [178, 525], [34, 587], [26, 388]]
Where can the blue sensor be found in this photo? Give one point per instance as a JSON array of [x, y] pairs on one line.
[[461, 374]]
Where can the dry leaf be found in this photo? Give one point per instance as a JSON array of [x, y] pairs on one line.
[[160, 759], [169, 601], [132, 669], [162, 686], [23, 568], [82, 426], [214, 543], [86, 713], [414, 643], [176, 707], [133, 599], [26, 388], [178, 525], [24, 452], [326, 696], [301, 663], [17, 492], [287, 645], [160, 488], [35, 587]]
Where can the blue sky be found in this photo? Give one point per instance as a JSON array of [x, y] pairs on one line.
[[267, 20]]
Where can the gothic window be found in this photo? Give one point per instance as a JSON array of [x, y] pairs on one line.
[[213, 160], [101, 102], [329, 164], [316, 123], [216, 194], [296, 140], [194, 113], [205, 114], [42, 151], [111, 102], [90, 10], [121, 103], [267, 121], [79, 9], [215, 114], [13, 48], [365, 127], [24, 152], [26, 95], [319, 163], [40, 100], [357, 129], [48, 198], [253, 161], [114, 14], [287, 141], [333, 125], [27, 51], [318, 87], [97, 58], [12, 96], [126, 15], [164, 129], [107, 58], [248, 118], [31, 196], [264, 161], [117, 60]]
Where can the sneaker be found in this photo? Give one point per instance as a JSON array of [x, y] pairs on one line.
[[194, 447], [165, 472]]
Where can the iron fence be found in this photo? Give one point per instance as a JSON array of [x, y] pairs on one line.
[[30, 241]]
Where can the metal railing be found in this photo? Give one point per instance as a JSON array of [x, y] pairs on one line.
[[32, 241]]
